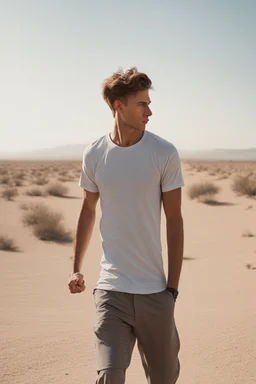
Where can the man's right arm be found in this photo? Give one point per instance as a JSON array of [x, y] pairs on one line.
[[85, 226]]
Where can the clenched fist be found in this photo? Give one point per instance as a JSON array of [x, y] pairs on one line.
[[76, 283]]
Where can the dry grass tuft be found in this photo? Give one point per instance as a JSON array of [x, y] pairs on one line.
[[3, 171], [7, 244], [18, 183], [38, 212], [24, 206], [41, 180], [21, 175], [51, 231], [201, 168], [247, 233], [245, 185], [35, 191], [205, 189], [66, 178], [46, 224], [57, 189], [10, 193], [5, 179], [223, 177]]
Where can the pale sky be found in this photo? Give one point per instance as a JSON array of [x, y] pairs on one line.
[[200, 55]]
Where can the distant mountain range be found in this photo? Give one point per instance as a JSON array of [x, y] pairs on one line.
[[75, 152]]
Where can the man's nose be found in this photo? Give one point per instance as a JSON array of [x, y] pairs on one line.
[[149, 112]]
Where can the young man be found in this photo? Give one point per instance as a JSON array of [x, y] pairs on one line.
[[134, 172]]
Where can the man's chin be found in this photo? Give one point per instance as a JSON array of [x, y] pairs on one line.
[[140, 128]]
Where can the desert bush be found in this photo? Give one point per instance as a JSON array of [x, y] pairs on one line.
[[5, 179], [57, 189], [7, 244], [36, 213], [66, 178], [244, 185], [201, 168], [41, 180], [10, 193], [222, 177], [247, 234], [18, 183], [46, 224], [24, 206], [20, 175], [205, 188], [35, 191], [3, 171], [63, 172], [51, 231]]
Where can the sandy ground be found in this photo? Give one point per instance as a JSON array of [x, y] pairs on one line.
[[47, 333]]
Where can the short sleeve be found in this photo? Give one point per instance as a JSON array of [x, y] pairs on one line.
[[171, 177], [87, 176]]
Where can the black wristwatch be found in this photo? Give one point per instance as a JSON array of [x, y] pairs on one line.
[[174, 292]]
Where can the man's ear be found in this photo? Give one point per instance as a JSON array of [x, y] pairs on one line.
[[118, 106]]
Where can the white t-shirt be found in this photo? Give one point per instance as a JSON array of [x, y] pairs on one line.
[[129, 181]]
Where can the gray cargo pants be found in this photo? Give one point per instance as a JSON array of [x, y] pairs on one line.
[[123, 318]]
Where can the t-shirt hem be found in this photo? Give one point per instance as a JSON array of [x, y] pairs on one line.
[[172, 187], [133, 290], [88, 188]]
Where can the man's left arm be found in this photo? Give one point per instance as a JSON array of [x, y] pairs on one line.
[[175, 235]]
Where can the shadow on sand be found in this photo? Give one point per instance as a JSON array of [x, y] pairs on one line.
[[250, 266], [218, 203]]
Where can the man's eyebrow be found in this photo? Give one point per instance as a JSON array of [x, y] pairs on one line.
[[144, 102]]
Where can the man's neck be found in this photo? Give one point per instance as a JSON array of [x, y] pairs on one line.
[[125, 136]]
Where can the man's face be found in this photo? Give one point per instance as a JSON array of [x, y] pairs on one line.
[[136, 112]]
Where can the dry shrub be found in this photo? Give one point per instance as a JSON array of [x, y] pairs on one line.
[[18, 183], [35, 213], [247, 234], [205, 189], [35, 191], [223, 177], [52, 231], [63, 179], [10, 193], [46, 224], [57, 189], [63, 173], [66, 178], [3, 171], [41, 180], [5, 179], [245, 185], [24, 206], [20, 175], [7, 244], [201, 168]]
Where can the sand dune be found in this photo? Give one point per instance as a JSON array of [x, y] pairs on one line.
[[47, 333]]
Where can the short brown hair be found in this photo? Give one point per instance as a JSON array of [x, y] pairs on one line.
[[122, 84]]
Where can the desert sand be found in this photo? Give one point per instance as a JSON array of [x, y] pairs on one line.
[[47, 333]]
